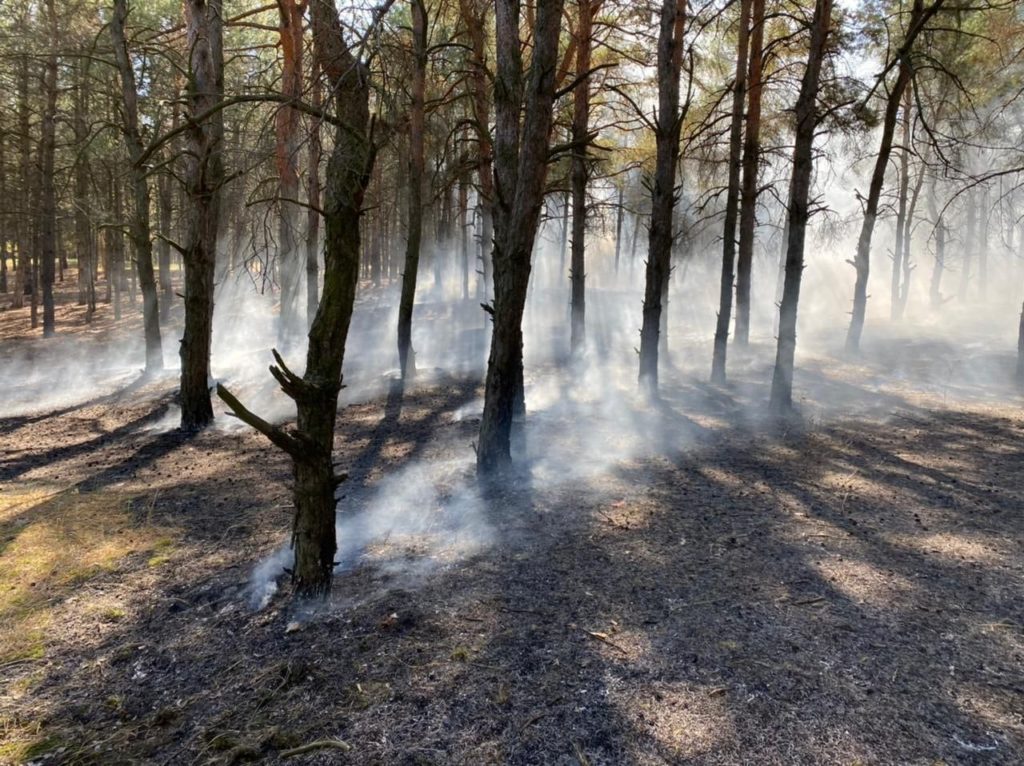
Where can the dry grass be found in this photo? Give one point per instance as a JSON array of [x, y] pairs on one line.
[[53, 545]]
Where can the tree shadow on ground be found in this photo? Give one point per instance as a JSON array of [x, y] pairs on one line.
[[844, 591]]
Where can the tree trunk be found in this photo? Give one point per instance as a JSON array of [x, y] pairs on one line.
[[116, 240], [474, 15], [521, 154], [165, 199], [862, 261], [204, 179], [139, 228], [799, 193], [48, 191], [901, 213], [287, 145], [968, 246], [935, 287], [984, 213], [313, 195], [83, 218], [751, 161], [579, 175], [659, 258], [908, 236], [1020, 349], [21, 276], [406, 355], [316, 392], [464, 231], [732, 201], [620, 214]]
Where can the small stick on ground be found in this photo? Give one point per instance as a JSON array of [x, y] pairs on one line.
[[809, 601], [580, 755], [320, 744], [604, 638]]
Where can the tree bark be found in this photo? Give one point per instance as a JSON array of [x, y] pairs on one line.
[[313, 195], [139, 228], [667, 130], [732, 201], [521, 154], [799, 192], [406, 355], [204, 179]]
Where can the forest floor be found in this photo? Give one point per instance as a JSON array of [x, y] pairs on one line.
[[687, 583]]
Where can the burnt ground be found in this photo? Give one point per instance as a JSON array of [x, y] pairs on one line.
[[844, 589]]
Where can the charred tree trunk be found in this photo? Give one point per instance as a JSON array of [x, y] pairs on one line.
[[139, 228], [579, 174], [799, 193], [521, 154], [732, 201], [316, 391], [287, 144], [667, 130], [205, 177], [48, 191], [406, 355]]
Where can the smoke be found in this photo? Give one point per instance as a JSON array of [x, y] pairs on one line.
[[425, 517]]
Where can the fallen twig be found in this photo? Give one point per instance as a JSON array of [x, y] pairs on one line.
[[808, 601], [580, 755], [603, 637], [320, 744]]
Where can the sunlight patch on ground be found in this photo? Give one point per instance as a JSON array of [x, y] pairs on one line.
[[864, 583], [51, 543], [957, 547], [684, 720]]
